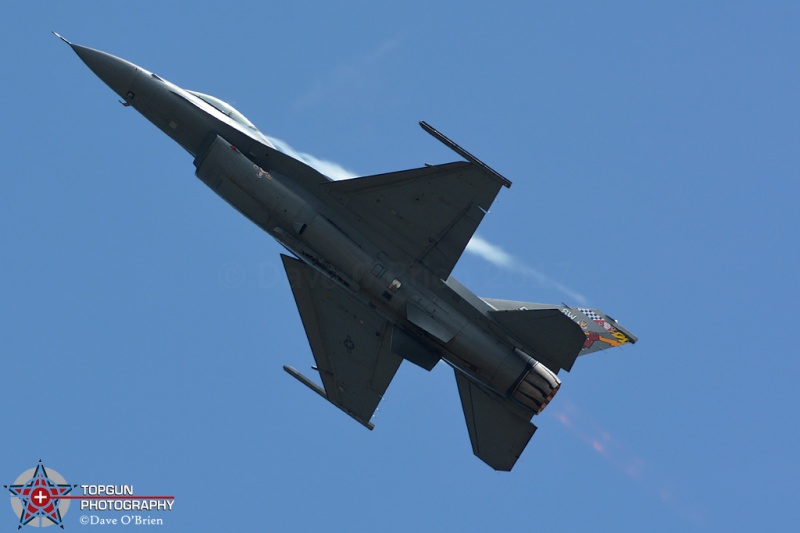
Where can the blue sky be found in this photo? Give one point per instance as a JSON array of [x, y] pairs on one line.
[[653, 150]]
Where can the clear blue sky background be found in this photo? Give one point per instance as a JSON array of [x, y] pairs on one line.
[[654, 153]]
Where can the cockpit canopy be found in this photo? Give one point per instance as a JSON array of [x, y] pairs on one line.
[[225, 109]]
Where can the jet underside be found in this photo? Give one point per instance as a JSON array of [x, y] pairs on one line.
[[370, 268]]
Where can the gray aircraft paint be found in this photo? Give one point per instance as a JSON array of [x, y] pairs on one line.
[[370, 267]]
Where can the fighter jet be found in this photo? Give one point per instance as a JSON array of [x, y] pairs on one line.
[[369, 264]]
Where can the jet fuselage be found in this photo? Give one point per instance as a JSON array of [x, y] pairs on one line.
[[432, 316]]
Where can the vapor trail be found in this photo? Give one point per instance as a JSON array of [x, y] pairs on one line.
[[333, 170], [499, 257]]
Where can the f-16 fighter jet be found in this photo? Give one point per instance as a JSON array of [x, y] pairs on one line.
[[369, 264]]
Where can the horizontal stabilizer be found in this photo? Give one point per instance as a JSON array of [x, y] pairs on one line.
[[548, 335], [498, 434]]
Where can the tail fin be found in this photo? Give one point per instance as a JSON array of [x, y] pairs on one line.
[[600, 330]]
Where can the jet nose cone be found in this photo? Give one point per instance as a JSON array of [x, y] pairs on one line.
[[115, 72]]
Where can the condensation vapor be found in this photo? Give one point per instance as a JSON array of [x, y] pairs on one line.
[[499, 257], [333, 170]]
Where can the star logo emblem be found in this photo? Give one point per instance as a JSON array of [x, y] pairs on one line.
[[36, 494]]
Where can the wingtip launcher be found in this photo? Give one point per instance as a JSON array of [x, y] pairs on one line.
[[319, 390], [463, 153]]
